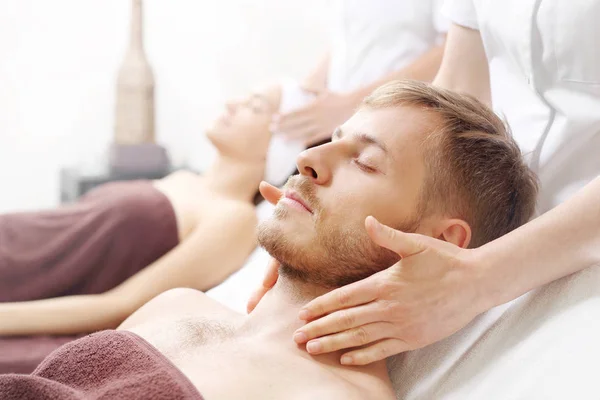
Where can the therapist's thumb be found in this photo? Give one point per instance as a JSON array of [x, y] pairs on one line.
[[402, 243], [271, 193], [271, 276]]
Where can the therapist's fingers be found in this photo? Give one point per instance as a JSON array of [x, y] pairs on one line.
[[271, 276], [355, 337], [255, 299], [303, 133], [338, 321], [355, 294], [293, 120], [271, 193], [402, 243], [376, 352]]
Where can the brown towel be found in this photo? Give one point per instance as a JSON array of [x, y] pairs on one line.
[[87, 247], [22, 354], [104, 365]]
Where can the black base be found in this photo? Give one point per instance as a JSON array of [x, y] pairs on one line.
[[76, 181]]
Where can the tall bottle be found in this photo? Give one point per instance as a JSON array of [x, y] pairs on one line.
[[134, 117]]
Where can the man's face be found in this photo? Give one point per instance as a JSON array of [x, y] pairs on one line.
[[373, 166]]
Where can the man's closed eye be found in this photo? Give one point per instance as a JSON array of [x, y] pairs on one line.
[[365, 167]]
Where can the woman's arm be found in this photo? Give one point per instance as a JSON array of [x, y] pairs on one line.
[[212, 252], [558, 243], [61, 315], [317, 120], [464, 67]]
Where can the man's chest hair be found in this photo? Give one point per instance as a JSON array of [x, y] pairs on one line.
[[198, 331]]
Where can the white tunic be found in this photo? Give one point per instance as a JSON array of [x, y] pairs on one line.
[[371, 38], [544, 58]]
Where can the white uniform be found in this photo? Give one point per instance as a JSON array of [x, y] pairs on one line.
[[544, 58], [375, 37], [545, 75]]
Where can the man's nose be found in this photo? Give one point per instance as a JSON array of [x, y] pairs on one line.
[[317, 164]]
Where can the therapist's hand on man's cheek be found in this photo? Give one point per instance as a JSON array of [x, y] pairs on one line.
[[428, 295]]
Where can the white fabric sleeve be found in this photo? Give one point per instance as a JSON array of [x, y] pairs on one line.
[[461, 12], [441, 23]]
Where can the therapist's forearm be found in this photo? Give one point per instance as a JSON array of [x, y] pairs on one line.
[[464, 67], [424, 68], [60, 316], [564, 240]]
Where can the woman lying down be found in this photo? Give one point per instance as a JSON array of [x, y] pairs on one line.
[[87, 266], [417, 158]]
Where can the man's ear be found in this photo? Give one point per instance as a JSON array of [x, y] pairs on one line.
[[455, 231]]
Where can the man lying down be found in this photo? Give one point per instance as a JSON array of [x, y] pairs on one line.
[[417, 158]]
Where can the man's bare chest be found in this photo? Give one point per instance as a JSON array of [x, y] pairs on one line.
[[223, 365]]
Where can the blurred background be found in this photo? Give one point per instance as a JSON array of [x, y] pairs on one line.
[[58, 70]]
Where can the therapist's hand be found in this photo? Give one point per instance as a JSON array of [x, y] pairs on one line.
[[272, 195], [267, 284], [317, 121], [428, 295]]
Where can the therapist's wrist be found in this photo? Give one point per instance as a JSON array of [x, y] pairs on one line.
[[494, 283]]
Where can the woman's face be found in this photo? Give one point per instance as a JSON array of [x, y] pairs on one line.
[[243, 129]]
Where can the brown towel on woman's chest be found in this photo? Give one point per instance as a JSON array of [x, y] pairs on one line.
[[87, 247], [104, 365]]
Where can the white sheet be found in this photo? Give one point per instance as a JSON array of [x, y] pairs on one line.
[[544, 345]]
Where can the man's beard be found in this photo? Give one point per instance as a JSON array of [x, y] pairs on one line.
[[340, 255]]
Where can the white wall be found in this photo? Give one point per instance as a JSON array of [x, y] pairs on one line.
[[58, 61]]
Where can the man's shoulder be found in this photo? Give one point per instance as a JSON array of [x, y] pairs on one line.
[[180, 302], [181, 294]]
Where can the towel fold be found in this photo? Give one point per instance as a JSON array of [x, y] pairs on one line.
[[104, 365]]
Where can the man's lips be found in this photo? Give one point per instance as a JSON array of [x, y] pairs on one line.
[[291, 195]]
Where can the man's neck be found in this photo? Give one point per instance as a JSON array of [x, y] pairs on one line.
[[277, 313], [235, 178], [275, 319]]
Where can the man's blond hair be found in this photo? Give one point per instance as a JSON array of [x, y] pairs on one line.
[[475, 170]]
